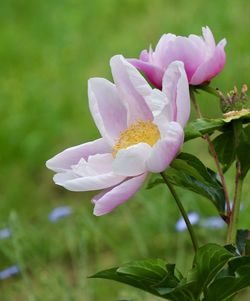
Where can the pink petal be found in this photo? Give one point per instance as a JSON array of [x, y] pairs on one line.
[[87, 183], [72, 155], [208, 37], [132, 160], [106, 107], [132, 88], [166, 149], [106, 201], [153, 73], [176, 88], [94, 174], [206, 71]]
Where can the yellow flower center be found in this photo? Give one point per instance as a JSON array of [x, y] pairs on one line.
[[140, 131]]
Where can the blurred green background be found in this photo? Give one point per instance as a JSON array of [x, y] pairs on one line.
[[48, 51]]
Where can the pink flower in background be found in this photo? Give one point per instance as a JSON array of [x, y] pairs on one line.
[[141, 129], [202, 58]]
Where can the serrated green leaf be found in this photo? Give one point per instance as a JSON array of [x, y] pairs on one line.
[[209, 260], [188, 172]]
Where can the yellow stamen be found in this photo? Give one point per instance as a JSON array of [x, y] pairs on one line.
[[140, 131]]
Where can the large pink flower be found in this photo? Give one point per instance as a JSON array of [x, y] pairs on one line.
[[141, 129], [202, 58]]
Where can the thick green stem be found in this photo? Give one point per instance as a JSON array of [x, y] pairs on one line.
[[213, 153], [232, 230], [182, 210]]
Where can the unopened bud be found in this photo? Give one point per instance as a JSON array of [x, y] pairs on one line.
[[234, 102]]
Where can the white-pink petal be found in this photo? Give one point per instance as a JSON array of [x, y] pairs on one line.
[[70, 156], [132, 160], [107, 200], [87, 183], [108, 111], [166, 149], [132, 88], [94, 174]]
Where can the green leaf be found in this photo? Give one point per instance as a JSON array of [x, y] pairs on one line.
[[152, 275], [242, 240], [225, 149], [154, 180], [202, 126], [224, 288], [208, 261], [243, 150], [144, 274], [199, 127], [188, 172]]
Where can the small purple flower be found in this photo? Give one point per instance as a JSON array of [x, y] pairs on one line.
[[181, 225], [213, 222], [59, 213], [9, 272], [5, 233]]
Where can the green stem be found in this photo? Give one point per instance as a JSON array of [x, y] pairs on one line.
[[183, 212], [232, 230], [208, 89]]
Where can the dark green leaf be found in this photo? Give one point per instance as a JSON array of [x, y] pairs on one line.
[[144, 274], [188, 172], [153, 276], [224, 288], [202, 126], [243, 151], [225, 149], [208, 261], [241, 240], [154, 180], [199, 127]]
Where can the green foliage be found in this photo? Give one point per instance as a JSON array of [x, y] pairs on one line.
[[188, 172], [225, 149], [204, 279], [202, 126], [243, 150]]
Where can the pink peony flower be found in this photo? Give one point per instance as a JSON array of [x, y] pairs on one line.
[[202, 58], [141, 129]]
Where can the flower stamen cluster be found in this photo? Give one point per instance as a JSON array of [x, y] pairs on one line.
[[140, 131]]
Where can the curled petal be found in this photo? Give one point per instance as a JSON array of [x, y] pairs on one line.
[[213, 66], [107, 200], [132, 88], [106, 107], [154, 73], [175, 86], [70, 156], [166, 149]]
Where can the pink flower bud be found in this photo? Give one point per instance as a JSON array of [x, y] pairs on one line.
[[202, 58]]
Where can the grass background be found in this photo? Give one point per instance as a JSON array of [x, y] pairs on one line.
[[48, 51]]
